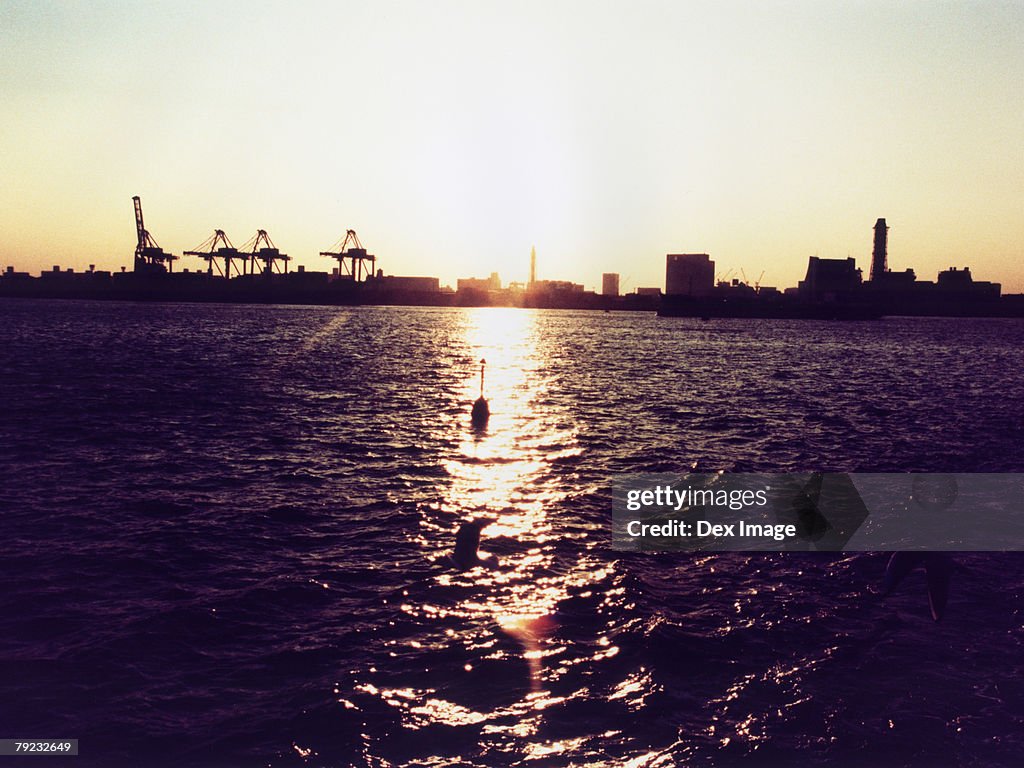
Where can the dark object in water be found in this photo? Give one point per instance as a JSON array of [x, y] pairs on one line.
[[938, 568], [481, 411], [467, 542]]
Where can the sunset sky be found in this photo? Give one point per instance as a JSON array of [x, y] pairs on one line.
[[453, 136]]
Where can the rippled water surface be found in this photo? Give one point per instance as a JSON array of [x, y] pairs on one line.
[[227, 529]]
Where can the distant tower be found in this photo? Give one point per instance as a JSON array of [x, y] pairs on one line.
[[533, 265], [879, 257]]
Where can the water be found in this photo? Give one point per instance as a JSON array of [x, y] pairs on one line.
[[226, 533]]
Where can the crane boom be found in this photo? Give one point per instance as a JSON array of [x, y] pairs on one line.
[[149, 256], [139, 226]]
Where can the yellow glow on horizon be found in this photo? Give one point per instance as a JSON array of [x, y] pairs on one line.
[[452, 137]]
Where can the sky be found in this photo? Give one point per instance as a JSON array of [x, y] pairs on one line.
[[453, 136]]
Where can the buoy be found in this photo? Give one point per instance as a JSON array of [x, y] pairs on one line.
[[481, 411]]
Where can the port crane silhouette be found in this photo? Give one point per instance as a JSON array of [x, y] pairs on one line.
[[352, 257], [260, 247], [217, 246], [149, 257]]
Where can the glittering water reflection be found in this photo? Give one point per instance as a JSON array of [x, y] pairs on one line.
[[506, 474], [497, 475], [287, 600]]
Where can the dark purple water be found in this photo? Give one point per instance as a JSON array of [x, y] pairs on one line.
[[225, 533]]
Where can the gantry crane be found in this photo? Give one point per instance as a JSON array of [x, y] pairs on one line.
[[261, 248], [226, 252], [350, 250], [149, 257]]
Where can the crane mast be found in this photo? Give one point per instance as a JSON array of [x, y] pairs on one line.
[[150, 258], [139, 226]]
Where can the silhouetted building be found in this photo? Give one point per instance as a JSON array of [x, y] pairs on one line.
[[403, 283], [610, 284], [533, 265], [734, 289], [893, 281], [879, 255], [689, 274], [830, 279], [492, 283], [69, 275], [959, 281], [549, 286], [648, 291]]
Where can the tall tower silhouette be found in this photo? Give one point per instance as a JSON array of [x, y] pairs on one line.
[[533, 265], [879, 256]]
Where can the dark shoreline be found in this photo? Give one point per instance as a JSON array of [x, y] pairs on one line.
[[316, 289]]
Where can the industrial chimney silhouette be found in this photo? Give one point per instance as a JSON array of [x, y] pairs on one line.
[[879, 256]]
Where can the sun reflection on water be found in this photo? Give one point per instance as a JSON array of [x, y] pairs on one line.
[[505, 473], [496, 472], [493, 468]]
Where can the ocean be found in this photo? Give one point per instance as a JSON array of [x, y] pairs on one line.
[[227, 534]]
